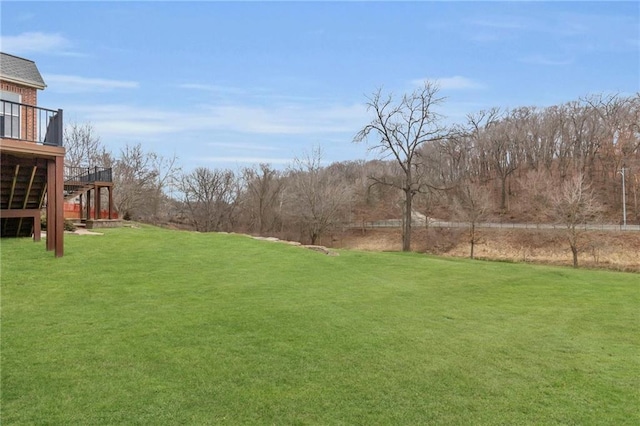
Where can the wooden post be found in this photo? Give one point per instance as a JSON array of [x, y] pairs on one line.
[[51, 210], [88, 215], [59, 211], [96, 202], [80, 210], [37, 232], [55, 205], [110, 189]]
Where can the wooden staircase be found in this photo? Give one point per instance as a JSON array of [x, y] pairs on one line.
[[72, 190], [88, 181], [23, 186]]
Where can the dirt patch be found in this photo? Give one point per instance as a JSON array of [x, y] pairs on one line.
[[610, 250]]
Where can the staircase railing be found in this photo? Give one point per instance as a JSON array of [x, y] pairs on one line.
[[88, 174]]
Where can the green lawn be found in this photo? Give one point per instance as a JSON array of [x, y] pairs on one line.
[[150, 326]]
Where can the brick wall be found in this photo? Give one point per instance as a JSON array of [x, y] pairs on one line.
[[29, 94], [28, 127]]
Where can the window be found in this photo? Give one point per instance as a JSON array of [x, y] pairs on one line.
[[9, 115]]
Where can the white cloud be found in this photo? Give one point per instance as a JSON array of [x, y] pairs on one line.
[[77, 84], [36, 42], [246, 160], [242, 146], [452, 83], [287, 119], [212, 88], [125, 120]]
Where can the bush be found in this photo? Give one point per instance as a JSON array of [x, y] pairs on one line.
[[68, 224]]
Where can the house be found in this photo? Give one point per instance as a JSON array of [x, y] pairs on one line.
[[31, 155]]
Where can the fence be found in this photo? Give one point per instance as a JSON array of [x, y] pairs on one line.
[[72, 211]]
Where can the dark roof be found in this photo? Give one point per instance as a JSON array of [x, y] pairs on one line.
[[20, 70]]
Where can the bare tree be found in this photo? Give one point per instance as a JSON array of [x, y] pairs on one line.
[[575, 206], [476, 135], [504, 152], [83, 147], [472, 206], [140, 180], [536, 191], [317, 199], [400, 128], [167, 171], [263, 188], [210, 198]]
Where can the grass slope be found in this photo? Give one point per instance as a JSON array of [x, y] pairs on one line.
[[151, 326]]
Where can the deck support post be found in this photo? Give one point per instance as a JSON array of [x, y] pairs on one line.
[[110, 190], [96, 202], [55, 205], [88, 212]]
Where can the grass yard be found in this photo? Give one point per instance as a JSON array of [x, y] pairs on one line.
[[151, 326]]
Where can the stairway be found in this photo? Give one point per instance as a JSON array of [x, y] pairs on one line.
[[71, 190], [23, 184]]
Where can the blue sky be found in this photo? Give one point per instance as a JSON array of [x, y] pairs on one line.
[[228, 85]]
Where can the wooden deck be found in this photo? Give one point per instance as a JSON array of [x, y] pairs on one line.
[[31, 177]]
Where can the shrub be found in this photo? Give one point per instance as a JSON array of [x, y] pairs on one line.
[[68, 224]]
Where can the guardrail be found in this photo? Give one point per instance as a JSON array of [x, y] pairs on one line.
[[87, 174], [31, 123], [397, 223]]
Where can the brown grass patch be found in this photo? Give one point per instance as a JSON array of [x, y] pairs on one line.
[[608, 250]]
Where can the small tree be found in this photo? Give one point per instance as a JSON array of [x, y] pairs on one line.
[[575, 206], [318, 199], [472, 204]]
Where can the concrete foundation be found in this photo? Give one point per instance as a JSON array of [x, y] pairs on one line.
[[103, 223]]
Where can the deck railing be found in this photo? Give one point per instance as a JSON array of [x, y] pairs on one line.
[[87, 174], [31, 123]]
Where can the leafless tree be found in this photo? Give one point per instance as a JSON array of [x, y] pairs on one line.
[[140, 181], [472, 205], [264, 186], [317, 200], [537, 188], [503, 150], [476, 136], [575, 206], [399, 128], [83, 147], [210, 198]]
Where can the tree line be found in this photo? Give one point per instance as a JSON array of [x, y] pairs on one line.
[[561, 163]]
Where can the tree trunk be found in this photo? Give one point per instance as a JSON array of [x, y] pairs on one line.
[[260, 214], [472, 240], [503, 195], [406, 232], [574, 251]]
